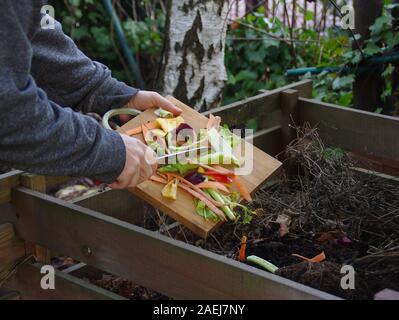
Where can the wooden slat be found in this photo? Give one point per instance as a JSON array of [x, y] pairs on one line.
[[171, 267], [12, 251], [27, 282], [7, 213], [36, 183], [10, 179], [5, 195], [120, 204], [380, 164], [55, 180], [11, 248], [269, 140], [7, 181], [6, 233], [289, 102], [259, 106], [351, 129]]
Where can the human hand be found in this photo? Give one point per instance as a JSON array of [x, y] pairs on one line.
[[150, 99], [143, 100], [140, 164]]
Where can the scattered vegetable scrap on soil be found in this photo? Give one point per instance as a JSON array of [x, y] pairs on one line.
[[322, 211]]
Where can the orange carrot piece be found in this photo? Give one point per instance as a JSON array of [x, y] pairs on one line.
[[139, 129], [242, 189], [157, 178], [241, 255], [213, 185], [133, 131], [319, 258]]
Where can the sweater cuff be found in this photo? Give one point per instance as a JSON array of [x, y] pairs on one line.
[[112, 158]]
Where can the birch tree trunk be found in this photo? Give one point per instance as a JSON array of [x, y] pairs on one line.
[[193, 68]]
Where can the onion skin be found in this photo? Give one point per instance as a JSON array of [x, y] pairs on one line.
[[194, 177]]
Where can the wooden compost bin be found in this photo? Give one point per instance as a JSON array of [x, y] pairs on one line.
[[100, 230]]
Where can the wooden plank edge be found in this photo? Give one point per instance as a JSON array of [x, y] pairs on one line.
[[174, 268], [27, 282], [7, 181], [304, 87], [371, 134]]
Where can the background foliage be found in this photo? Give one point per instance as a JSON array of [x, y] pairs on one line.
[[266, 47]]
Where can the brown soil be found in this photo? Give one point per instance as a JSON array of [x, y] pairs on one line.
[[353, 217]]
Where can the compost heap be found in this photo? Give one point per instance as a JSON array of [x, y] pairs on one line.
[[325, 209]]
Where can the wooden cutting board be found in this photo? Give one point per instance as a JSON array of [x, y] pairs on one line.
[[183, 209]]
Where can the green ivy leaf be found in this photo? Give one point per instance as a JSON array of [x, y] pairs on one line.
[[388, 71], [245, 75], [380, 24], [343, 82], [371, 49]]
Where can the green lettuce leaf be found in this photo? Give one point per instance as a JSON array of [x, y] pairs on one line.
[[183, 169], [204, 211]]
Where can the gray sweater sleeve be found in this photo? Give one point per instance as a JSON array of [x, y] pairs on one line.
[[71, 79], [36, 134]]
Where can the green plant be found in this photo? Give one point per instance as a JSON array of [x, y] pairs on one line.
[[254, 60], [266, 49], [383, 41], [89, 25]]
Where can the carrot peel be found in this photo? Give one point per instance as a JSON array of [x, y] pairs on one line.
[[241, 255], [139, 129], [243, 189], [213, 185], [319, 258]]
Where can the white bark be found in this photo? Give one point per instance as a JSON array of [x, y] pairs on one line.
[[193, 69]]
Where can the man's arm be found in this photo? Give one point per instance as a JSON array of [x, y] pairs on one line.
[[36, 134], [71, 79]]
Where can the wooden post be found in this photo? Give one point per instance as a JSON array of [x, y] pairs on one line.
[[367, 87], [289, 120], [36, 183], [10, 247]]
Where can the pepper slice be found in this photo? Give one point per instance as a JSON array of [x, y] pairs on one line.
[[170, 190], [218, 177]]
